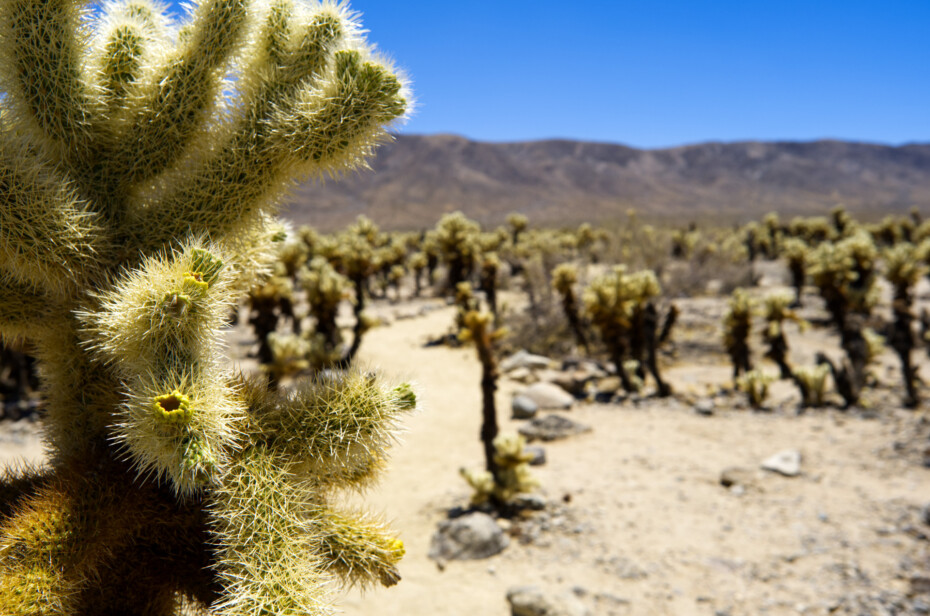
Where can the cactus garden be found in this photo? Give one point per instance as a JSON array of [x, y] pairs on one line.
[[212, 407]]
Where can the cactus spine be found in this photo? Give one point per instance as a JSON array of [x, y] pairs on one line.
[[135, 209]]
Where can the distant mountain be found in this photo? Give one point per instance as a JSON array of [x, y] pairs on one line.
[[415, 179]]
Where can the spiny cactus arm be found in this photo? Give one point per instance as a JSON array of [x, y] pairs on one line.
[[127, 36], [157, 328], [358, 548], [165, 315], [25, 312], [266, 560], [41, 68], [174, 102], [335, 429], [335, 127], [48, 236], [323, 130]]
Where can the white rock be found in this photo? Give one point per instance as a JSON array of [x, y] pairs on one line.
[[787, 463]]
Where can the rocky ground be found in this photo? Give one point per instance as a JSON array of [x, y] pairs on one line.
[[663, 506]]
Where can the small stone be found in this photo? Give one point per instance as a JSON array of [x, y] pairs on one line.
[[523, 407], [524, 359], [532, 601], [522, 375], [704, 406], [469, 537], [531, 502], [551, 428], [736, 476], [538, 453], [787, 463], [575, 382], [549, 396], [925, 514], [607, 385]]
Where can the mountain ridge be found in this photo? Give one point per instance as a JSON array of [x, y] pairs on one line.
[[414, 179]]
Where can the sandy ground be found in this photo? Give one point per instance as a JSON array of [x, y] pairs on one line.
[[639, 523], [649, 529]]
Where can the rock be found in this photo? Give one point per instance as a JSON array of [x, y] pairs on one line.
[[522, 375], [469, 537], [532, 502], [787, 463], [533, 601], [575, 382], [925, 514], [551, 428], [920, 585], [549, 396], [704, 406], [538, 453], [523, 407], [608, 385], [735, 476], [524, 359]]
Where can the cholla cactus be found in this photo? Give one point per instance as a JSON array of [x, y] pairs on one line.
[[490, 266], [133, 213], [796, 253], [513, 473], [845, 274], [457, 240], [564, 279], [620, 306], [417, 263], [478, 328], [755, 384], [775, 312], [518, 224], [737, 324], [326, 289], [812, 383], [289, 356], [354, 257], [904, 266], [268, 301]]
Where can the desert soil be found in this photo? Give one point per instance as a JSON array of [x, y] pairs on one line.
[[638, 521]]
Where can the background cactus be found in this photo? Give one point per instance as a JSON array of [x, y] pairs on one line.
[[737, 324], [478, 328], [776, 311], [513, 475], [135, 208], [456, 238], [620, 306], [564, 279]]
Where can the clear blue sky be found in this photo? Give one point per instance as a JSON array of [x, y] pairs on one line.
[[659, 73]]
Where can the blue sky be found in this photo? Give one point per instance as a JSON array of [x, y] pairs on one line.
[[659, 73]]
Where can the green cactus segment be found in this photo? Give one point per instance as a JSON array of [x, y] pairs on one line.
[[173, 102], [361, 550], [266, 559], [336, 428], [406, 397], [49, 237], [24, 312], [41, 65], [205, 267], [173, 408]]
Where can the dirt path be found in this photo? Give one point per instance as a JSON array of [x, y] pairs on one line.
[[649, 529]]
